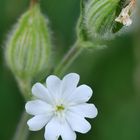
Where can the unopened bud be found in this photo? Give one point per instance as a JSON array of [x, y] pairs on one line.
[[97, 21], [28, 46]]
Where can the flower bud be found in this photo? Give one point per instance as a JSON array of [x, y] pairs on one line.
[[97, 21], [28, 46]]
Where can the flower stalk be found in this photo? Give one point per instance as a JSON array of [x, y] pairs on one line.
[[68, 59], [25, 87], [22, 131]]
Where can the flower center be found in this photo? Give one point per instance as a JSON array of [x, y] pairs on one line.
[[60, 108]]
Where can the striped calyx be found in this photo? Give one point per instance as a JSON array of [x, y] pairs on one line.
[[98, 18], [28, 47]]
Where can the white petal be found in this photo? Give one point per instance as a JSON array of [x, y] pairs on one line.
[[37, 107], [52, 129], [78, 123], [85, 110], [53, 84], [118, 19], [66, 132], [41, 92], [56, 128], [69, 83], [127, 21], [82, 94], [38, 122]]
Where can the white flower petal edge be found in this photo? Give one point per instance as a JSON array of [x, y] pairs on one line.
[[61, 107], [53, 84], [38, 122], [56, 128], [38, 107], [85, 110], [81, 95], [41, 92], [78, 123]]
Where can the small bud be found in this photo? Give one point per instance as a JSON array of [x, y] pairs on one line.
[[28, 46], [97, 20]]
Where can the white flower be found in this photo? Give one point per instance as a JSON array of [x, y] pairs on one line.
[[61, 107], [124, 17], [125, 14]]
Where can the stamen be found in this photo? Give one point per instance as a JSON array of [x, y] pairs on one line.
[[60, 108]]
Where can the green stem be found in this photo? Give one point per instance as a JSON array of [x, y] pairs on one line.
[[68, 59], [25, 88], [22, 131]]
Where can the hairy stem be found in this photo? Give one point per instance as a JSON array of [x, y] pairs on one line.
[[22, 131], [68, 59], [25, 87]]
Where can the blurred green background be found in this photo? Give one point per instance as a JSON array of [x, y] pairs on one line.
[[110, 72]]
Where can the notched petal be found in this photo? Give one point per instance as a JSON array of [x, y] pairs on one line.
[[38, 122], [37, 107], [85, 110]]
